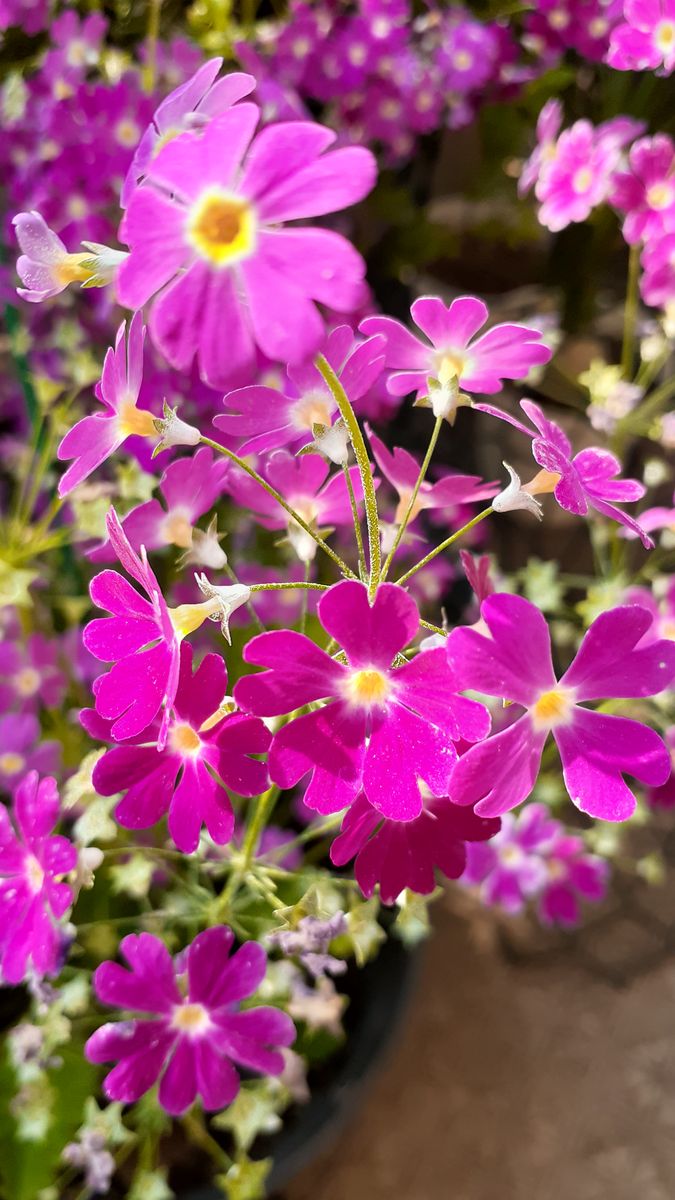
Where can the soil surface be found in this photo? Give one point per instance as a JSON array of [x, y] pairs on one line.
[[531, 1077]]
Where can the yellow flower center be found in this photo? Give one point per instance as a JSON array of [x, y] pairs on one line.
[[462, 60], [34, 874], [367, 688], [314, 409], [136, 421], [449, 366], [11, 763], [177, 530], [582, 179], [190, 1018], [69, 269], [183, 739], [552, 708], [660, 195], [222, 228], [664, 36], [127, 133], [27, 681]]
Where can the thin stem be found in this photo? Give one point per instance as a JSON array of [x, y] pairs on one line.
[[434, 628], [305, 599], [262, 811], [198, 1134], [363, 569], [630, 311], [284, 587], [240, 462], [152, 37], [250, 606], [444, 545], [413, 495], [363, 462]]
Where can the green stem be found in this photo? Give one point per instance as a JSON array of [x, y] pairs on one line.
[[279, 587], [305, 599], [152, 37], [199, 1135], [413, 495], [363, 570], [444, 545], [631, 311], [262, 811], [434, 628], [363, 462], [240, 462], [231, 575]]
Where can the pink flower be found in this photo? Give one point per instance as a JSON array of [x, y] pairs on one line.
[[190, 106], [303, 482], [96, 437], [189, 487], [382, 728], [205, 753], [30, 674], [206, 232], [533, 855], [45, 266], [139, 637], [549, 123], [267, 418], [402, 470], [453, 358], [196, 1031], [578, 483], [664, 796], [657, 285], [32, 896], [596, 749], [657, 518], [646, 39], [405, 854], [646, 192], [577, 175]]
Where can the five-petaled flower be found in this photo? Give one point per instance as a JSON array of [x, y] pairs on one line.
[[596, 748]]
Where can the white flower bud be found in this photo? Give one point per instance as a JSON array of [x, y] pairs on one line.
[[515, 497], [173, 431], [224, 601]]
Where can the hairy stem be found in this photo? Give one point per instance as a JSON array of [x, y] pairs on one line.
[[413, 495], [363, 569], [444, 545], [630, 311]]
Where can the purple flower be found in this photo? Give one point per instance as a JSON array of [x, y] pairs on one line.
[[196, 1032], [646, 192], [587, 480], [190, 106], [30, 673], [206, 232], [268, 419], [468, 52], [646, 38], [454, 358], [383, 728], [189, 487], [658, 517], [657, 284], [405, 854], [534, 856], [22, 750], [310, 941], [576, 177], [549, 123], [96, 437], [205, 753], [45, 267], [664, 795], [402, 470], [32, 896], [141, 637], [29, 15], [596, 749]]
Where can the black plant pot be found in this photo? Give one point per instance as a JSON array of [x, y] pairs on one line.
[[379, 995]]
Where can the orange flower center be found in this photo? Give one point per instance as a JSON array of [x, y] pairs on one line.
[[222, 228]]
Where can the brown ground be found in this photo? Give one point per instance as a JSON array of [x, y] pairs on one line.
[[536, 1080]]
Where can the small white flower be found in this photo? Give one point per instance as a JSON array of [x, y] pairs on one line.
[[174, 432], [514, 497], [332, 441]]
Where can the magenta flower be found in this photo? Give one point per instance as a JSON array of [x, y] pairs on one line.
[[45, 267], [205, 753], [405, 854], [383, 728], [549, 123], [206, 232], [468, 52], [533, 856], [139, 637], [268, 419], [402, 470], [96, 437], [453, 357], [22, 750], [596, 749], [646, 192], [657, 284], [303, 482], [30, 673], [577, 176], [196, 1033], [587, 480], [664, 795], [32, 896], [29, 15], [190, 106], [189, 487], [646, 38]]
